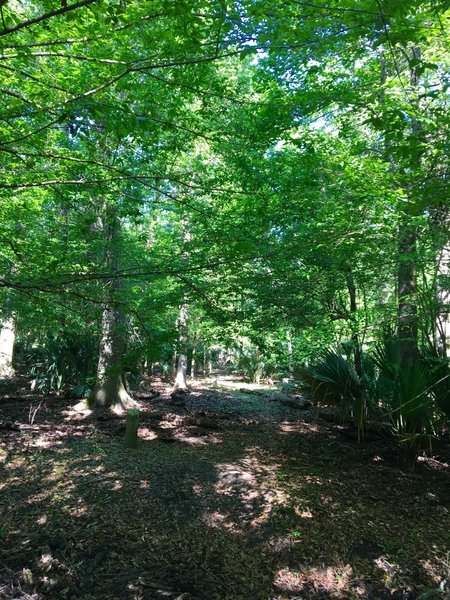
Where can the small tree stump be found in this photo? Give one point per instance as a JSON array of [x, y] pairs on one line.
[[131, 436]]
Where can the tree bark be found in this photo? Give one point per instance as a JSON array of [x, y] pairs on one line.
[[258, 370], [442, 330], [407, 324], [193, 358], [353, 323], [7, 339], [407, 276], [174, 362], [180, 378], [407, 290], [290, 350], [209, 363], [109, 389]]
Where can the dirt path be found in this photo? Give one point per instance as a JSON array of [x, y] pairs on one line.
[[232, 496]]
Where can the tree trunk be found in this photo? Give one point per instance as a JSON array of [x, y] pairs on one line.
[[193, 358], [290, 350], [407, 290], [258, 370], [7, 338], [442, 332], [407, 324], [407, 276], [182, 326], [180, 380], [353, 323], [174, 362], [109, 389]]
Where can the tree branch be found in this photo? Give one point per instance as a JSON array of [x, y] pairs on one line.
[[45, 17]]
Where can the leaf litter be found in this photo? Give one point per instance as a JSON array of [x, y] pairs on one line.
[[230, 495]]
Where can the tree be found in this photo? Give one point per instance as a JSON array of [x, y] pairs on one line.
[[7, 338], [109, 388]]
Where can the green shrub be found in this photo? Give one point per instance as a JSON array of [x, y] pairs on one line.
[[410, 399], [60, 362], [405, 394], [332, 381]]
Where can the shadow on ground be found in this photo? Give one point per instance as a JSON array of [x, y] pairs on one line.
[[213, 504]]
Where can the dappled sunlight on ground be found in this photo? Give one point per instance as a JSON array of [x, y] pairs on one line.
[[196, 440], [213, 504], [232, 383], [78, 511], [254, 485], [324, 581], [298, 427], [221, 520], [77, 412], [146, 434]]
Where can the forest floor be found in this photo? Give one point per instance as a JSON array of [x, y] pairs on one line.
[[232, 496]]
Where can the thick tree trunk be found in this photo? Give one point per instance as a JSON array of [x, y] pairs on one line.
[[407, 323], [109, 389], [7, 339]]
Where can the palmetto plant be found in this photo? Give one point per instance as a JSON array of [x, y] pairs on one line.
[[332, 381], [406, 395], [439, 370], [409, 398], [60, 362]]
